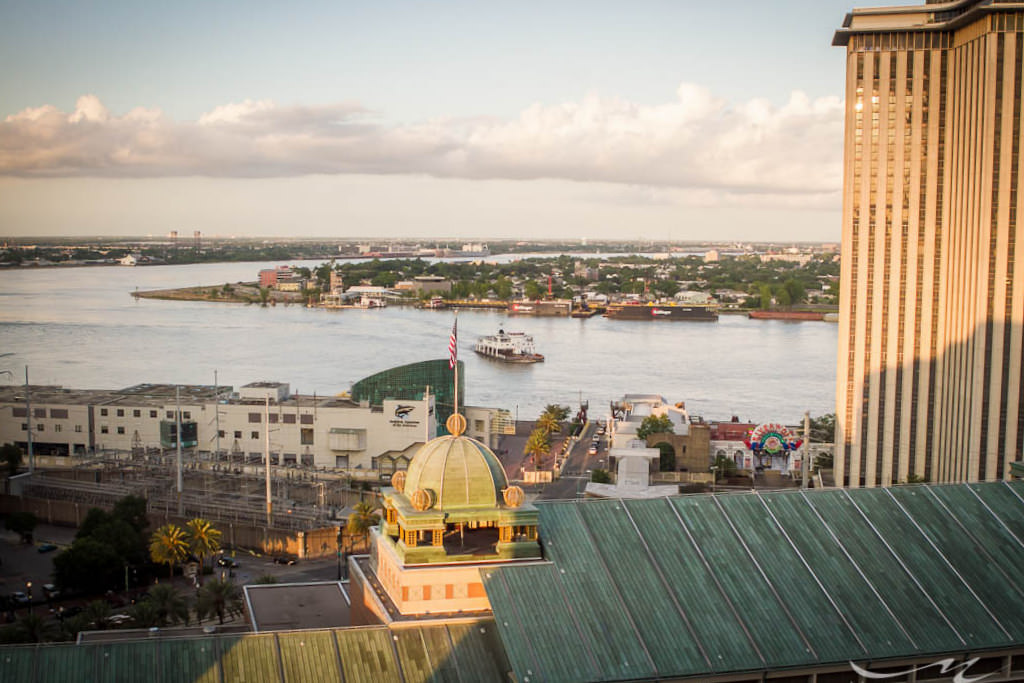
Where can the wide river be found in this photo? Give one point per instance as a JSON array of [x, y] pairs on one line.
[[80, 328]]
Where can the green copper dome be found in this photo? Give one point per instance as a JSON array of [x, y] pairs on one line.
[[460, 471]]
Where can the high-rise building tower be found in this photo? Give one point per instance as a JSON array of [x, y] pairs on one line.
[[929, 377]]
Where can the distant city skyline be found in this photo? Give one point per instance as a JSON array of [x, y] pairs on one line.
[[656, 120]]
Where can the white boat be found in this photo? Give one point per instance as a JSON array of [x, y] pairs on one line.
[[510, 347]]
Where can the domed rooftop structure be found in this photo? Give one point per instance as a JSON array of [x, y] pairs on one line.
[[454, 503], [460, 471]]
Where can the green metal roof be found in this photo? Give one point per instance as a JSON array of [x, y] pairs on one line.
[[463, 651], [702, 585]]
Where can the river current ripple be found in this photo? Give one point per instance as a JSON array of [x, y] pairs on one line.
[[80, 328]]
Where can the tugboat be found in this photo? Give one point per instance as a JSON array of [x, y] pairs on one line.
[[509, 347]]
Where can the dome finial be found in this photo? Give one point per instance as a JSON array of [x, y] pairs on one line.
[[456, 424]]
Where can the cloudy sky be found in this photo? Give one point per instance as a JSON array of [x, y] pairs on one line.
[[659, 119]]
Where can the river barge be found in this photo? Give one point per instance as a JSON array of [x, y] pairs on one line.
[[541, 307], [707, 312]]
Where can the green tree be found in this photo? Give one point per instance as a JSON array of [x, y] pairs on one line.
[[170, 606], [168, 545], [823, 428], [219, 597], [654, 424], [362, 519], [23, 524], [726, 466], [132, 509], [559, 412], [548, 424], [89, 565], [98, 614], [532, 290], [33, 628], [264, 296], [600, 477], [144, 614], [795, 290], [203, 539], [10, 456], [537, 446]]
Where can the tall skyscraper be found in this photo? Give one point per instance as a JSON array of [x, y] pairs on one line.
[[929, 377]]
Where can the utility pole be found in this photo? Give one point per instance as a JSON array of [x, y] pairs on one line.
[[177, 439], [805, 465], [28, 424], [216, 414], [266, 453]]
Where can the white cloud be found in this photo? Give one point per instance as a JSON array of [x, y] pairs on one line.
[[695, 142]]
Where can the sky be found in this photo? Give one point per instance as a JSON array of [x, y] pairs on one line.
[[650, 119]]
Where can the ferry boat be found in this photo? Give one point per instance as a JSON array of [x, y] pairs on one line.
[[509, 347], [635, 310]]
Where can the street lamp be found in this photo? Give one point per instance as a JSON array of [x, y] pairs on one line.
[[28, 586], [339, 553]]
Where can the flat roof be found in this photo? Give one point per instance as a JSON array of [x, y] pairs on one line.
[[298, 606]]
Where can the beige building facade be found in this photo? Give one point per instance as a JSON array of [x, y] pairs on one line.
[[929, 381]]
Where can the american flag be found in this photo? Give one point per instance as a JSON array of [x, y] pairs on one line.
[[453, 345]]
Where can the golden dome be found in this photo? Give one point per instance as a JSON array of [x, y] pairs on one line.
[[460, 471]]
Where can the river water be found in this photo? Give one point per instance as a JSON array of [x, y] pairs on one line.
[[80, 328]]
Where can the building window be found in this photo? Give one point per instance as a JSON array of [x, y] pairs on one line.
[[187, 415], [103, 412], [78, 428], [307, 437], [238, 433], [19, 412], [24, 427], [120, 430], [59, 413], [254, 418], [220, 433], [103, 429], [272, 418], [254, 435], [56, 428], [152, 413], [39, 412], [40, 427], [306, 419], [478, 425], [120, 412], [288, 419], [170, 414], [136, 413]]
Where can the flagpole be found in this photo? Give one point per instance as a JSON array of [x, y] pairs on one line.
[[455, 336]]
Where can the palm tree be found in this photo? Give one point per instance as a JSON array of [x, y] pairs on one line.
[[32, 628], [266, 580], [559, 412], [537, 446], [168, 546], [362, 520], [203, 539], [219, 597], [170, 606], [98, 614], [548, 424], [145, 614]]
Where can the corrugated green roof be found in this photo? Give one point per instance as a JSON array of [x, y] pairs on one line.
[[457, 652], [746, 582]]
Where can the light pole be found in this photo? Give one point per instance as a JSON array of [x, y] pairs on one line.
[[339, 553], [28, 586]]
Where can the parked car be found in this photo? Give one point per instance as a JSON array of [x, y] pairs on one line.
[[46, 547], [19, 598], [280, 559], [51, 591], [227, 562], [118, 619], [592, 450]]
